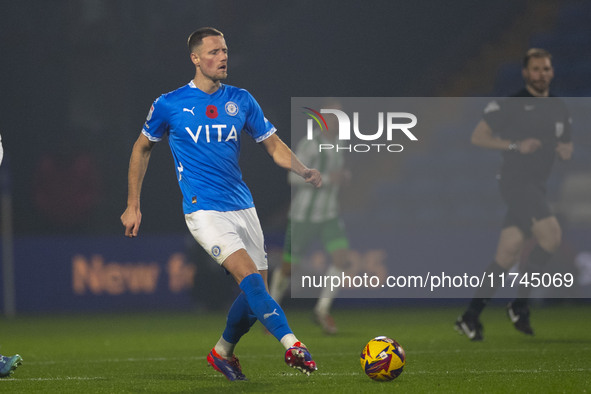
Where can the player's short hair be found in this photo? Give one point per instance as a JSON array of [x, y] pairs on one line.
[[196, 38], [536, 53]]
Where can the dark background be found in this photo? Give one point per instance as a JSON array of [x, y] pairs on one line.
[[78, 78]]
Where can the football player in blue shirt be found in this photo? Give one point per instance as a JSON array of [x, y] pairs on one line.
[[203, 121]]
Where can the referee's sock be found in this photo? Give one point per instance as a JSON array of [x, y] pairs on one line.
[[267, 310], [536, 263], [485, 293]]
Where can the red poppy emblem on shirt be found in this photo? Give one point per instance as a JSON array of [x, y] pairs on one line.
[[211, 111]]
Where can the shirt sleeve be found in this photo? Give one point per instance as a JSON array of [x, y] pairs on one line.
[[156, 125], [256, 125], [494, 116]]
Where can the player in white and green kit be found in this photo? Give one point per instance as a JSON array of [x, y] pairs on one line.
[[314, 216]]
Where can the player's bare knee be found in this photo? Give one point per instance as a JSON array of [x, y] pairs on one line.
[[548, 234], [510, 244], [550, 245], [551, 241], [506, 260], [240, 265], [508, 253], [512, 247]]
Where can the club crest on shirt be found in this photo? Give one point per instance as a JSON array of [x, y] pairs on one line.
[[231, 108]]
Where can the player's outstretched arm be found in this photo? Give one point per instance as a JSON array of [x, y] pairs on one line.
[[138, 164], [285, 158]]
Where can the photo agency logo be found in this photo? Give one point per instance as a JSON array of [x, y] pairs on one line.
[[342, 133]]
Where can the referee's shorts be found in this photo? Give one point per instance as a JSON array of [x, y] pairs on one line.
[[526, 203]]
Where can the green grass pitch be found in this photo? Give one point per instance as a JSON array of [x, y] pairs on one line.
[[165, 353]]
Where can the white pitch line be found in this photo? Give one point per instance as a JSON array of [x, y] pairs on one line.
[[499, 371], [53, 379], [459, 372], [275, 355], [120, 360], [495, 350], [336, 374], [443, 373]]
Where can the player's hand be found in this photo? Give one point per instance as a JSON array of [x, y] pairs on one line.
[[564, 150], [131, 219], [313, 177], [529, 145]]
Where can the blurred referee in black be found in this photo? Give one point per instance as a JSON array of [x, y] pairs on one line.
[[531, 132]]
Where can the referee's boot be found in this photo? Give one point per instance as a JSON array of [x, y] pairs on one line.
[[469, 325], [518, 313]]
